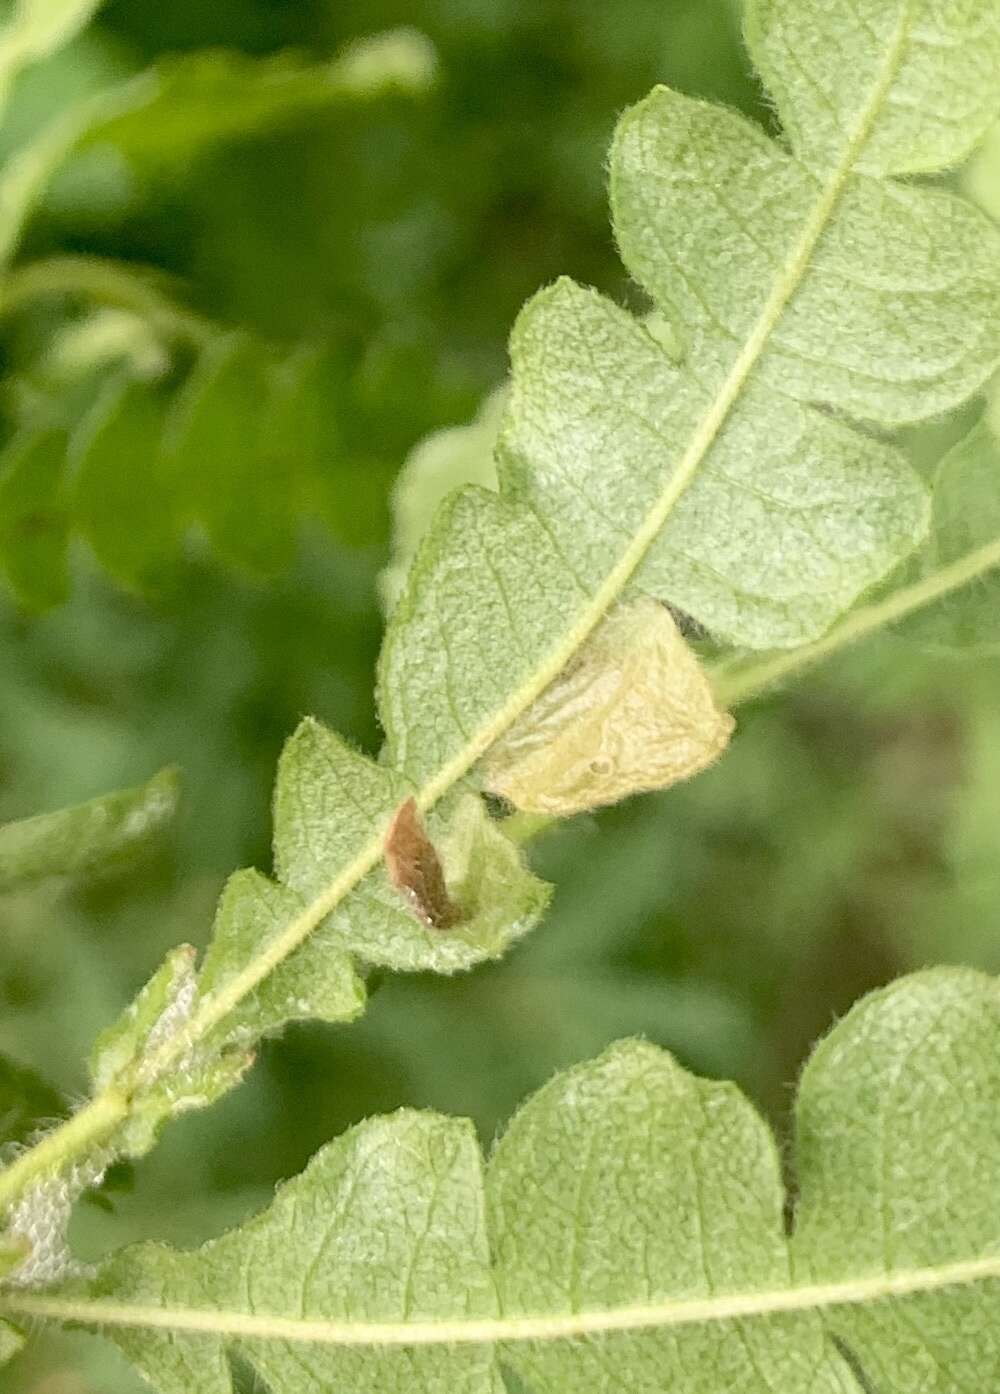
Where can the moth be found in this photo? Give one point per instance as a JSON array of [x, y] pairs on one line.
[[415, 869]]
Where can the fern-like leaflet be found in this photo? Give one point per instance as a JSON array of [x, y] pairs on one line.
[[792, 276]]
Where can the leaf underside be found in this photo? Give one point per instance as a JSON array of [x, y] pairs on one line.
[[626, 1186], [806, 289], [792, 275]]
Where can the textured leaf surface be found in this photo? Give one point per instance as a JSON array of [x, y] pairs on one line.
[[895, 319], [914, 51], [704, 477], [73, 841], [423, 1176], [636, 1220], [316, 983], [326, 802], [700, 467], [913, 1083]]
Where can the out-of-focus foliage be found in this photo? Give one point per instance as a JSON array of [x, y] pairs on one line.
[[73, 841], [850, 832]]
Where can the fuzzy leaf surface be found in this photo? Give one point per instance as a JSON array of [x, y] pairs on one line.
[[802, 50], [703, 476], [895, 319], [636, 1219]]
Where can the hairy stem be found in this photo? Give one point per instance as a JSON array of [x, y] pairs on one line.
[[86, 1131]]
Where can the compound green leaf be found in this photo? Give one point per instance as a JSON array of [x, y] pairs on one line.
[[88, 836], [703, 476], [899, 1168], [763, 548], [33, 520], [630, 1236], [911, 52], [317, 1253], [693, 476], [318, 981], [896, 317]]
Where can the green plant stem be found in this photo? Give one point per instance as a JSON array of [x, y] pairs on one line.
[[92, 1126], [111, 283], [741, 684]]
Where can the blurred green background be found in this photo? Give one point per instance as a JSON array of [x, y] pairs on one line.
[[848, 836]]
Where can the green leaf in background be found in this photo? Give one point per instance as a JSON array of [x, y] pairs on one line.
[[87, 837], [27, 1102], [33, 518], [238, 454], [168, 115], [435, 468], [635, 1216], [11, 1341], [120, 498], [216, 457], [35, 29], [194, 100], [966, 518]]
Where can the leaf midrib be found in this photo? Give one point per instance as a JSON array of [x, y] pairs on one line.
[[216, 1007], [765, 1302]]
